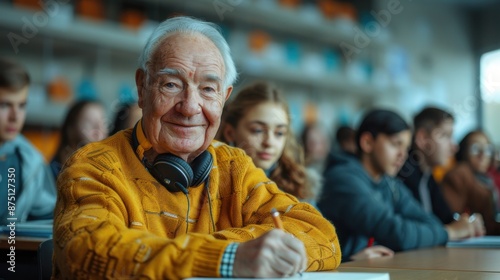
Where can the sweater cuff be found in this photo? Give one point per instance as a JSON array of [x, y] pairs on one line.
[[208, 258]]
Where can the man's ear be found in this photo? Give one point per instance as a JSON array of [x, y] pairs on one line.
[[228, 132], [421, 138], [366, 142], [140, 83], [228, 92]]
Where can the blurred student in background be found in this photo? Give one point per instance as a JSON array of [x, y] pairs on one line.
[[369, 206], [346, 140], [84, 123], [126, 116], [494, 170], [467, 186], [25, 179], [257, 120], [316, 145], [432, 147]]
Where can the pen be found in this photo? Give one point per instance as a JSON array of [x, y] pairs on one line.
[[276, 218], [279, 224]]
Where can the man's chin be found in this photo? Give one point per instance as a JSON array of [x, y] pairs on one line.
[[8, 136], [392, 172]]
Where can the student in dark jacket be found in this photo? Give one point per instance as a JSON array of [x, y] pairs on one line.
[[367, 204], [432, 147]]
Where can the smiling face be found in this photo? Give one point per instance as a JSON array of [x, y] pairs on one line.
[[12, 113], [262, 133], [182, 95]]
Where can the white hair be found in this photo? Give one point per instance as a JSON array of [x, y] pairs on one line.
[[190, 26]]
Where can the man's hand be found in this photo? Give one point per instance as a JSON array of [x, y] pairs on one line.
[[466, 226], [274, 254], [477, 222], [372, 252]]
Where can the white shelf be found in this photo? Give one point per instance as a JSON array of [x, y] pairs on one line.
[[78, 30], [286, 21], [333, 83]]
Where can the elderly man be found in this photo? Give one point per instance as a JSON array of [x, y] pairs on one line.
[[165, 201]]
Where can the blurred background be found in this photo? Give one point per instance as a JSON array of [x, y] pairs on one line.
[[333, 59]]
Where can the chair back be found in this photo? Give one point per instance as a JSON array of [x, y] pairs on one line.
[[45, 251]]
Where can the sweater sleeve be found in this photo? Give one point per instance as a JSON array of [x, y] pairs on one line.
[[393, 220], [258, 196], [94, 240], [421, 228]]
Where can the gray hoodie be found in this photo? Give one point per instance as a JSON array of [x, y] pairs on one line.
[[36, 197], [361, 208]]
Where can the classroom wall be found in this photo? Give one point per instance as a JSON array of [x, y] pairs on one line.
[[488, 35], [440, 61]]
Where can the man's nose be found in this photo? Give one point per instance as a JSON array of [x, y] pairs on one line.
[[14, 113], [190, 104]]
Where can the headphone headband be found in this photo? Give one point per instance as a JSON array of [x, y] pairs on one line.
[[171, 171]]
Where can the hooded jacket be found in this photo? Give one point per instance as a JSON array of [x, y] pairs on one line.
[[29, 188], [361, 207]]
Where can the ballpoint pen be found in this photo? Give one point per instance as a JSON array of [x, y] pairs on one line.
[[279, 224]]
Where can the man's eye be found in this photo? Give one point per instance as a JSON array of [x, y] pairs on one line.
[[172, 87], [208, 89]]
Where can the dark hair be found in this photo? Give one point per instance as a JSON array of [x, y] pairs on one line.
[[345, 134], [121, 117], [380, 121], [290, 174], [463, 146], [430, 117], [13, 76], [70, 121]]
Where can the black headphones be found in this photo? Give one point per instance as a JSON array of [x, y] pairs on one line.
[[171, 171]]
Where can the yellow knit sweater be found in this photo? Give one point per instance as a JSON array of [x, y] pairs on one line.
[[113, 220]]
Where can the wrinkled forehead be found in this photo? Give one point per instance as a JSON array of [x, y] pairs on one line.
[[186, 45]]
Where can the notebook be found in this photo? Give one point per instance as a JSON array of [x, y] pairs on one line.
[[476, 242], [323, 276]]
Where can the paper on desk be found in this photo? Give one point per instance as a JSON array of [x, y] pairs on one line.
[[323, 275], [476, 242]]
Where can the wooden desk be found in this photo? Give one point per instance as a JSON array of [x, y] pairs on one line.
[[415, 274], [438, 258], [26, 257], [22, 243]]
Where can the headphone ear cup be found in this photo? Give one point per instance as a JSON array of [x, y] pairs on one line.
[[201, 166], [170, 169]]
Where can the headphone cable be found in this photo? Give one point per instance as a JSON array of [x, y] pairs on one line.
[[187, 213], [207, 184]]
